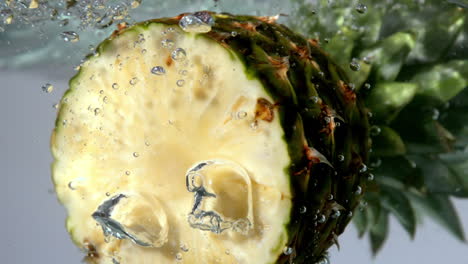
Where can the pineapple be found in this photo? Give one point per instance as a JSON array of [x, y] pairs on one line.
[[209, 138], [215, 138]]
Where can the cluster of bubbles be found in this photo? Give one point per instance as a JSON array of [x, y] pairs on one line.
[[90, 13]]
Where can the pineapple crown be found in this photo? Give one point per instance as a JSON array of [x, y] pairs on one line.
[[409, 62]]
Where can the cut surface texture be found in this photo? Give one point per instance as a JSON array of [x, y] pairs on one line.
[[152, 104]]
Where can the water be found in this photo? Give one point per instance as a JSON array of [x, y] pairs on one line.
[[54, 37]]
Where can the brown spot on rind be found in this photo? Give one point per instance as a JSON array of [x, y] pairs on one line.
[[269, 19], [120, 29], [121, 26], [349, 94], [314, 42], [264, 110], [249, 26]]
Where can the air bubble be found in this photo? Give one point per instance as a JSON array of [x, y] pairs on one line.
[[254, 125], [178, 54], [341, 158], [322, 219], [139, 218], [127, 173], [47, 88], [178, 256], [167, 43], [70, 36], [375, 131], [133, 81], [288, 251], [199, 22], [362, 168], [115, 86], [324, 260], [180, 83], [203, 180], [72, 186], [158, 70], [336, 214], [97, 111], [435, 114], [233, 33], [303, 209], [330, 197], [376, 163], [136, 154], [367, 86], [361, 8], [241, 115], [358, 190], [370, 177], [184, 248], [314, 99], [367, 60], [355, 65]]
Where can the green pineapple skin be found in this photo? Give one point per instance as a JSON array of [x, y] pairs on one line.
[[414, 80], [297, 72]]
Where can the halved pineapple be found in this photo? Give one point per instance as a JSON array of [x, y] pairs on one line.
[[239, 144]]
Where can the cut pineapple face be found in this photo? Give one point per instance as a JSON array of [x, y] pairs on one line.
[[160, 156]]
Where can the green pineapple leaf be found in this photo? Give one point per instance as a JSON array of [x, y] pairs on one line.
[[442, 210], [387, 56], [399, 205], [379, 232], [438, 177], [361, 221], [386, 99], [443, 81], [388, 143]]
